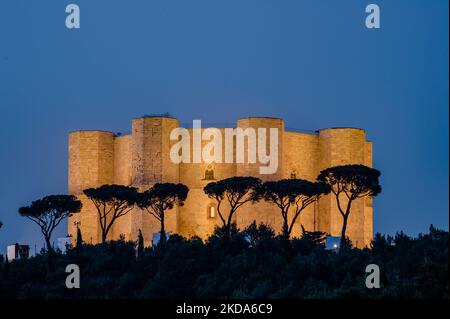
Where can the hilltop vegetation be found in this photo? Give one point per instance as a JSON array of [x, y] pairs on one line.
[[253, 263]]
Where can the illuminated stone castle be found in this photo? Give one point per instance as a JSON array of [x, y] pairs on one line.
[[142, 158]]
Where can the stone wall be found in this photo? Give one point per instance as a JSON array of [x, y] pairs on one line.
[[91, 164], [340, 146], [122, 176], [142, 159]]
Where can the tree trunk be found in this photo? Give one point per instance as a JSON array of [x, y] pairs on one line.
[[48, 244], [227, 226], [104, 233], [162, 236], [49, 253], [344, 225], [285, 230], [229, 221], [344, 229]]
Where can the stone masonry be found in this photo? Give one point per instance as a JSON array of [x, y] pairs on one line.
[[142, 158]]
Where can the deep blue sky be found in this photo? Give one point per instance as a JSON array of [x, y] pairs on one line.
[[312, 63]]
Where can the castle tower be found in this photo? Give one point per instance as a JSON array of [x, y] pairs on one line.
[[342, 146], [122, 176], [300, 161], [150, 164], [368, 201], [91, 164]]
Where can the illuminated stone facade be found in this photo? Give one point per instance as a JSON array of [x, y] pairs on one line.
[[142, 158]]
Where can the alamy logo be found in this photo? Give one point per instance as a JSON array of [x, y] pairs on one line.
[[73, 279], [259, 144], [373, 19], [73, 19], [373, 279]]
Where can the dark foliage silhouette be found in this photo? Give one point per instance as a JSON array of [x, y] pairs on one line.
[[140, 245], [253, 263], [49, 211], [79, 241], [292, 196]]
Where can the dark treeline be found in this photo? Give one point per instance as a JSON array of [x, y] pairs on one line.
[[253, 263]]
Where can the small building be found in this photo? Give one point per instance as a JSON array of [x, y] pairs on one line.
[[17, 251], [63, 242]]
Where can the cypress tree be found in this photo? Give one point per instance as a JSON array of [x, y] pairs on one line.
[[140, 247], [79, 245]]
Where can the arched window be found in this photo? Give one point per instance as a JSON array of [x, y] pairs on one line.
[[294, 174], [211, 211], [209, 173]]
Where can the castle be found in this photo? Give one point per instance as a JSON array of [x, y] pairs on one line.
[[142, 158]]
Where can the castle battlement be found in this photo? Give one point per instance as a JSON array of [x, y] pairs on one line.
[[142, 158]]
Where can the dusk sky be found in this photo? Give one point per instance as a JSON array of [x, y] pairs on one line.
[[312, 63]]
